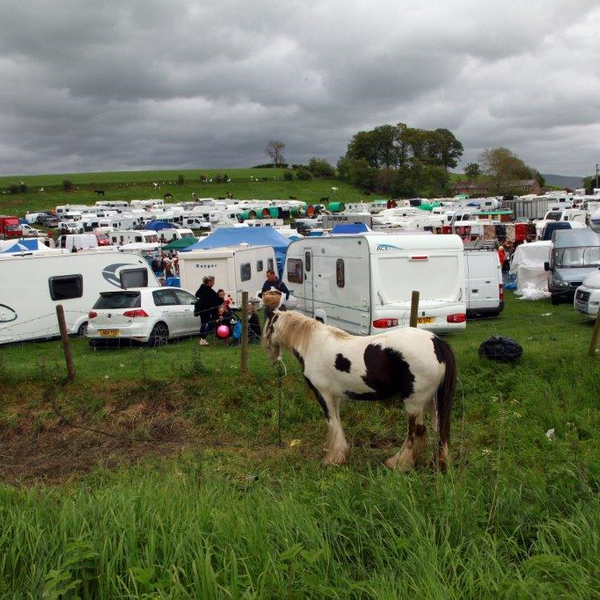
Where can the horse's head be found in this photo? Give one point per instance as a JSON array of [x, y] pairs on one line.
[[271, 299], [271, 341]]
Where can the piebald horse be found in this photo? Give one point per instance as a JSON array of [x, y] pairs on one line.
[[409, 365]]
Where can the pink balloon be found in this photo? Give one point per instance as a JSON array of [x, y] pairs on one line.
[[223, 331]]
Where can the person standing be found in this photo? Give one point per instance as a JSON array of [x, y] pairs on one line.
[[206, 307], [273, 283]]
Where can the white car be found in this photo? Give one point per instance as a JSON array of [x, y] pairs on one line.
[[29, 231], [152, 315]]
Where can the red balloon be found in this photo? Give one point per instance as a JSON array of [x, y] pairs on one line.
[[223, 331]]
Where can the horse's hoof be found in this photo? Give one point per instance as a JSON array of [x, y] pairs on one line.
[[336, 459], [394, 463]]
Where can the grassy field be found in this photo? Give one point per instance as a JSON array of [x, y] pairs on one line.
[[139, 186], [159, 474]]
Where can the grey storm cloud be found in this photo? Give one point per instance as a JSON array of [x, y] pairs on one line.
[[147, 83]]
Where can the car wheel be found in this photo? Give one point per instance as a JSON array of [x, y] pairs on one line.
[[82, 331], [555, 299], [159, 335]]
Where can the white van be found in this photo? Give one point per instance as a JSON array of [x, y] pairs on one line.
[[33, 285], [484, 287], [168, 235], [82, 241], [236, 269], [364, 283]]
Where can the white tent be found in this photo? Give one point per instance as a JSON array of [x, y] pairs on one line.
[[528, 264]]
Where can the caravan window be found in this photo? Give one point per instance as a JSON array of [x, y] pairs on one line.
[[245, 272], [138, 238], [66, 287], [270, 265], [307, 257], [340, 276], [259, 266], [133, 278], [294, 271]]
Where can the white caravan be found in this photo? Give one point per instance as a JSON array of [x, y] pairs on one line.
[[236, 269], [484, 287], [364, 283], [33, 285], [137, 236]]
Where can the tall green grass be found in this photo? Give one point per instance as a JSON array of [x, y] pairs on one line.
[[235, 515], [183, 531]]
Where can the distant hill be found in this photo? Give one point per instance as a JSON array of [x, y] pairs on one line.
[[563, 181]]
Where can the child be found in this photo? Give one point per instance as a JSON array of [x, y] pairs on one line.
[[254, 332]]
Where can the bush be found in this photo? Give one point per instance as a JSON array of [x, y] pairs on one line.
[[299, 167], [320, 168], [288, 175], [13, 189], [303, 174], [203, 178], [67, 185], [180, 179]]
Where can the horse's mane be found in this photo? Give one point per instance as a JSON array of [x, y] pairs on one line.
[[295, 329]]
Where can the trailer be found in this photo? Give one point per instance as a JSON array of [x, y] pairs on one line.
[[363, 283], [236, 269], [33, 285]]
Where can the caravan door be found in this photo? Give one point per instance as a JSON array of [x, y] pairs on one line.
[[309, 291]]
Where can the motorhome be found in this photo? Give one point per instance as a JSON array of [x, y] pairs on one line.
[[32, 287], [558, 214], [484, 287], [236, 269], [364, 283], [575, 254]]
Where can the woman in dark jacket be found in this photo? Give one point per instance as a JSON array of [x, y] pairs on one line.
[[206, 307]]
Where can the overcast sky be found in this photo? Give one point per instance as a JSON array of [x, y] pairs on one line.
[[136, 84]]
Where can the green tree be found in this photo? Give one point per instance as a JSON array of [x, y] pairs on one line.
[[503, 167], [444, 149], [320, 168], [303, 174], [472, 170]]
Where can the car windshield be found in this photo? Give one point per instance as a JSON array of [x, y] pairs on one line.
[[577, 257], [116, 300], [553, 216]]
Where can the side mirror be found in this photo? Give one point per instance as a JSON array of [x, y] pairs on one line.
[[547, 266]]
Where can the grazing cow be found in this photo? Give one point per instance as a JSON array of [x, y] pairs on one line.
[[366, 193], [156, 186], [334, 189], [293, 198], [167, 195], [326, 199], [409, 365], [99, 192]]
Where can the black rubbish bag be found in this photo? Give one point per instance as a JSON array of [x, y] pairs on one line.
[[500, 348]]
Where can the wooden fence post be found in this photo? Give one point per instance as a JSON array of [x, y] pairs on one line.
[[414, 309], [244, 354], [594, 340], [64, 337]]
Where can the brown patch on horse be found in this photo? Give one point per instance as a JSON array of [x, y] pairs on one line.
[[271, 299]]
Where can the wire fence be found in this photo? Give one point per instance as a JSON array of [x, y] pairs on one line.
[[545, 323]]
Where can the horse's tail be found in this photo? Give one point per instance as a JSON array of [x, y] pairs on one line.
[[444, 398]]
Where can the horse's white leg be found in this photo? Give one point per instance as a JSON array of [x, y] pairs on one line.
[[413, 446], [338, 449]]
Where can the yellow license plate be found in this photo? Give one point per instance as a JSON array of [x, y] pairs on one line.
[[424, 320], [108, 332]]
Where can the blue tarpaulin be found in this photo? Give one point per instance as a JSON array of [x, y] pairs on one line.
[[158, 225], [253, 236], [350, 229]]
